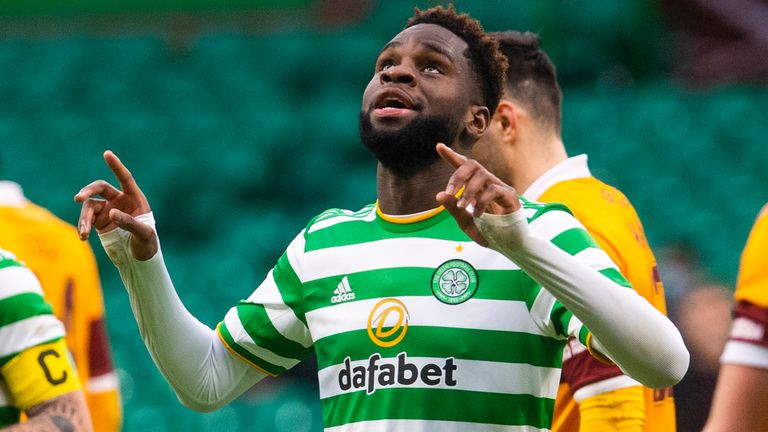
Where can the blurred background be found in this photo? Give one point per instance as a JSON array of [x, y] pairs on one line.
[[239, 120]]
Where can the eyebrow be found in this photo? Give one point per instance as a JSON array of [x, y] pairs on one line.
[[431, 45], [392, 44], [438, 49]]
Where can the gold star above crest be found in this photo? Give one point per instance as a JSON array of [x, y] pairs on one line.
[[459, 248]]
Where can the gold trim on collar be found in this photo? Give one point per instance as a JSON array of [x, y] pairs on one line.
[[414, 218], [408, 219]]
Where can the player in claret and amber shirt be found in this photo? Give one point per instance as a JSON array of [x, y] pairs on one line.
[[524, 148], [741, 395]]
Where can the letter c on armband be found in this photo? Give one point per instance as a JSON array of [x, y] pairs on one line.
[[47, 371]]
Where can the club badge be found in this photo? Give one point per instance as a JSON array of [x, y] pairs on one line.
[[454, 282]]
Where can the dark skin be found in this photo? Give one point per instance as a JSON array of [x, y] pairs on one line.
[[425, 70], [424, 66]]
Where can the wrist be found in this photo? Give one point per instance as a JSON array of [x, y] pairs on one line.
[[503, 232]]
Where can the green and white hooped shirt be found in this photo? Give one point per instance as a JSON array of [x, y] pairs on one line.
[[415, 326], [26, 320]]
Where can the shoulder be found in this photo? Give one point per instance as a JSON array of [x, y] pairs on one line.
[[584, 193], [752, 282], [757, 243], [26, 316], [12, 270], [16, 279], [534, 210], [760, 226], [42, 216], [599, 206], [339, 218], [550, 220], [7, 256], [35, 220]]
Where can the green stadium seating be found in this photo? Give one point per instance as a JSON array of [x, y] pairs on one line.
[[239, 139]]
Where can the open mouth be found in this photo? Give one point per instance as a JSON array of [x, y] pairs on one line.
[[395, 103], [394, 100]]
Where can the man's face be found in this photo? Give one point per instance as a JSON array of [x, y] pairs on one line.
[[420, 94]]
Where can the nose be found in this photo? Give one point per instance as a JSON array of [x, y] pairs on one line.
[[399, 74]]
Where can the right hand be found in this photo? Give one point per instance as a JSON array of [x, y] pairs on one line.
[[483, 192], [117, 209]]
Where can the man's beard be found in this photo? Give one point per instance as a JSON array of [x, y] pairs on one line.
[[412, 148]]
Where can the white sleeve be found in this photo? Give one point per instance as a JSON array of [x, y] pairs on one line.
[[745, 354], [747, 344], [204, 375], [625, 327]]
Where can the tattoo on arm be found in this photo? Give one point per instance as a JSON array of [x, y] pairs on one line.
[[66, 413], [62, 423]]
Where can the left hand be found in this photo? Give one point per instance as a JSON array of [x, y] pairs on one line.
[[483, 191], [119, 208]]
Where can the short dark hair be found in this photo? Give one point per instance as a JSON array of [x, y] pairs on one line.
[[488, 62], [531, 76]]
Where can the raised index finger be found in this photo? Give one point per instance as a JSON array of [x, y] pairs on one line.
[[450, 156], [127, 183]]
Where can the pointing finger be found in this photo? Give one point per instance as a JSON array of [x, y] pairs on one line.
[[458, 180], [450, 156], [123, 175]]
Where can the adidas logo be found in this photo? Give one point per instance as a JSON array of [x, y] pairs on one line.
[[342, 292]]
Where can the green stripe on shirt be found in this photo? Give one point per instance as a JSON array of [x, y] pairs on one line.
[[290, 287], [574, 241], [438, 404], [9, 415], [259, 327], [492, 285], [469, 344], [246, 355], [4, 263], [22, 306], [616, 276]]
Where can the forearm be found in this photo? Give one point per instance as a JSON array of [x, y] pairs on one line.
[[203, 374], [625, 327], [742, 385], [740, 399], [65, 413]]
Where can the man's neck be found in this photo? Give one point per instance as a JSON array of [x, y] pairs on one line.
[[534, 159], [407, 195]]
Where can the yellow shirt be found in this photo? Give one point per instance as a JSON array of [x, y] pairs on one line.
[[749, 333], [67, 271], [612, 221], [752, 283]]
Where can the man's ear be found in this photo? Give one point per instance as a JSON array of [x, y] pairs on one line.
[[478, 119], [507, 114]]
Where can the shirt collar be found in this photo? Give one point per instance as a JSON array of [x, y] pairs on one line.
[[409, 218], [569, 169], [11, 194]]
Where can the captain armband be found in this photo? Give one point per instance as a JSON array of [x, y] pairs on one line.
[[40, 373]]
